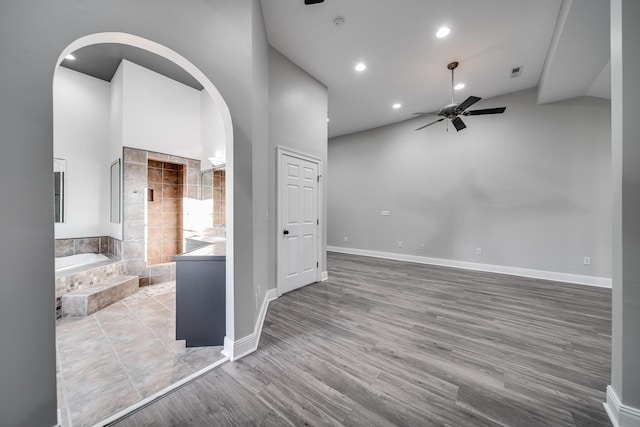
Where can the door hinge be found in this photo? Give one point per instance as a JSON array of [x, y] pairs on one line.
[[318, 178], [318, 221], [317, 264]]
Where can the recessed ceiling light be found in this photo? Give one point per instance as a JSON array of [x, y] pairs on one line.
[[443, 32], [327, 119], [396, 106], [70, 57], [459, 86], [360, 66]]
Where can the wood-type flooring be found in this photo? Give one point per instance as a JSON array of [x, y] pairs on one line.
[[385, 343]]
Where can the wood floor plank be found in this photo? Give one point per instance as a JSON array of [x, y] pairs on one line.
[[388, 343]]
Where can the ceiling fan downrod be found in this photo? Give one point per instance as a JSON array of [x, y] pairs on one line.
[[452, 66]]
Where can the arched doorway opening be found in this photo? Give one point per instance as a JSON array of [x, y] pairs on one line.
[[225, 132]]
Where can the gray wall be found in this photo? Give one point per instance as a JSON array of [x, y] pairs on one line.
[[625, 91], [217, 36], [297, 120], [531, 188], [260, 146]]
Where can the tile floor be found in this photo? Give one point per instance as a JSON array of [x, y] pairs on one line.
[[122, 354]]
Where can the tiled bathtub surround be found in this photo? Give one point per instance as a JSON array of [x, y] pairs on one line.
[[97, 245], [82, 279]]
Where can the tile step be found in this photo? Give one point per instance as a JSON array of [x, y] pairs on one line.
[[84, 302]]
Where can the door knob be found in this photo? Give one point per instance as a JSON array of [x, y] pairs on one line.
[[285, 232]]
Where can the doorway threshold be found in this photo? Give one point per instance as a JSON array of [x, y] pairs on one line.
[[149, 400]]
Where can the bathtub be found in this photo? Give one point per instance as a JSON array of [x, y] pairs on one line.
[[64, 264], [82, 270]]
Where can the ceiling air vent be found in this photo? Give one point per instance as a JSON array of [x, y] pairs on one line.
[[516, 71]]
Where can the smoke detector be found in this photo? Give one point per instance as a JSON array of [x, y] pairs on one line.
[[338, 21]]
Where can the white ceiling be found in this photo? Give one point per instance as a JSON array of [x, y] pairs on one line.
[[563, 45]]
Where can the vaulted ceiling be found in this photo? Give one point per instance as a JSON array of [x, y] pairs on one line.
[[562, 47]]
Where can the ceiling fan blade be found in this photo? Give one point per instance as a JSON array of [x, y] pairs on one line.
[[429, 124], [498, 110], [458, 123], [313, 1], [424, 114], [467, 103]]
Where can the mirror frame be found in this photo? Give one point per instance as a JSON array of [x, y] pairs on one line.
[[59, 189], [115, 192]]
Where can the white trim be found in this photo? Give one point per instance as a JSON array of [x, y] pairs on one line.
[[235, 350], [59, 420], [600, 282], [280, 151], [324, 276], [620, 414], [148, 400]]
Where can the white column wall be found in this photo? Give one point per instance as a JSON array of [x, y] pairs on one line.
[[623, 395]]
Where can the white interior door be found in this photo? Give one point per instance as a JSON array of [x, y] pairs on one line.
[[298, 225]]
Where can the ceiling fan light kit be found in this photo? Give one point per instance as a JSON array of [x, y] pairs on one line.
[[454, 110]]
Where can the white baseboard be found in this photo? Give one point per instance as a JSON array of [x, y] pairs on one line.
[[601, 282], [324, 276], [238, 349], [620, 414]]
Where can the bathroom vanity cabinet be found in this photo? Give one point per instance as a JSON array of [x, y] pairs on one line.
[[200, 296]]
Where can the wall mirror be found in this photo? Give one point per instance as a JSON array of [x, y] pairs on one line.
[[59, 171], [115, 192]]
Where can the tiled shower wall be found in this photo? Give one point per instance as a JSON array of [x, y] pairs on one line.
[[219, 202], [134, 195], [97, 245], [213, 203], [164, 211]]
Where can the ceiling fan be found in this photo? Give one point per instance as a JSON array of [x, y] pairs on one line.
[[454, 110], [313, 1]]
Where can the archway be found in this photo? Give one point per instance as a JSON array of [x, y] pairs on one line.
[[225, 119]]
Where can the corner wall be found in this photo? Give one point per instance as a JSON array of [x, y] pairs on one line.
[[530, 188], [298, 106], [160, 114], [623, 395]]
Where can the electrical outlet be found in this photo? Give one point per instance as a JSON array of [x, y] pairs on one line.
[[587, 260], [385, 213], [399, 243], [346, 239], [421, 246], [478, 251]]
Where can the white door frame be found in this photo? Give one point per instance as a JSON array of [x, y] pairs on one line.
[[280, 151]]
